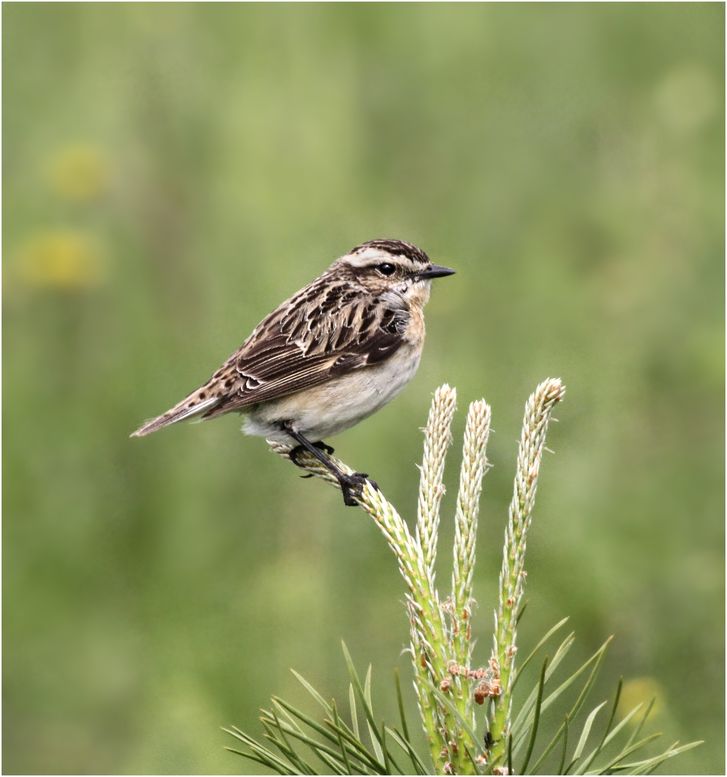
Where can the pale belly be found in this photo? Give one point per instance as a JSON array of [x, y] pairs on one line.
[[331, 408]]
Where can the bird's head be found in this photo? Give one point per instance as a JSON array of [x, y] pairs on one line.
[[392, 267]]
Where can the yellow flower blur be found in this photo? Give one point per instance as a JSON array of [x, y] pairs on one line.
[[63, 259], [79, 173], [641, 690]]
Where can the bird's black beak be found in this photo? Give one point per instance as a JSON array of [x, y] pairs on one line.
[[435, 271]]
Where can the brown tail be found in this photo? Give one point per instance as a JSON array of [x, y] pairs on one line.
[[191, 406]]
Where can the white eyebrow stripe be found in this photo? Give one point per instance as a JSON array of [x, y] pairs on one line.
[[366, 257]]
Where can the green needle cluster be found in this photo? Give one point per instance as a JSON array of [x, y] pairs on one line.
[[452, 692]]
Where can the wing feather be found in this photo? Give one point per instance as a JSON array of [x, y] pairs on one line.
[[307, 341]]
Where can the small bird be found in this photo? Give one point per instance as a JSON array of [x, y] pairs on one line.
[[328, 357]]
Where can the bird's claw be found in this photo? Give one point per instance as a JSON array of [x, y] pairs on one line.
[[325, 447], [352, 487], [293, 453]]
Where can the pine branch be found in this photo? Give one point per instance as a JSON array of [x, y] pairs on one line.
[[448, 688]]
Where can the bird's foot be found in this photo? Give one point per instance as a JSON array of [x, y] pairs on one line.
[[295, 452], [325, 447], [352, 487]]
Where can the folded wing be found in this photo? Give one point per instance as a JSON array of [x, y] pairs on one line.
[[307, 342]]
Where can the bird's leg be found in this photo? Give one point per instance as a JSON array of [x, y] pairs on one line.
[[350, 484]]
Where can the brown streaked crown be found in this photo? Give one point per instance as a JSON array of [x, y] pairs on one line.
[[395, 247]]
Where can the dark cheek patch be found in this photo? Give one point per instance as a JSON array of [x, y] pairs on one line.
[[363, 273]]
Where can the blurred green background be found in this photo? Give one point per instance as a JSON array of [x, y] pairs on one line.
[[172, 172]]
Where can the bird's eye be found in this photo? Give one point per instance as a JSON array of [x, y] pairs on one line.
[[386, 268]]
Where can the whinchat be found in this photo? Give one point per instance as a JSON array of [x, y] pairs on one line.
[[328, 357]]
